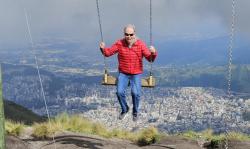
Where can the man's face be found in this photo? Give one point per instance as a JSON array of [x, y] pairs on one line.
[[129, 35]]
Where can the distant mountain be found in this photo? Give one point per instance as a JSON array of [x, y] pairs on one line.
[[21, 85], [205, 76], [210, 51], [18, 113]]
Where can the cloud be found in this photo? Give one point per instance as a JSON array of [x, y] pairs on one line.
[[77, 19]]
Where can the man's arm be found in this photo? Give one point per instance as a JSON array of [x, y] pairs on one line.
[[108, 51], [150, 54]]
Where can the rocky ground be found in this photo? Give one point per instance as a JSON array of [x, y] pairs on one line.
[[69, 140]]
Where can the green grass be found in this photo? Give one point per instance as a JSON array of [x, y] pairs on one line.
[[208, 135], [124, 134], [43, 130], [148, 136], [76, 123], [79, 124], [73, 123], [238, 136]]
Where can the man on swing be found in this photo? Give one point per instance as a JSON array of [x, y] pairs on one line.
[[131, 51]]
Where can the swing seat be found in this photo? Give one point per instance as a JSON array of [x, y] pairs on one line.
[[109, 80], [145, 82], [148, 82]]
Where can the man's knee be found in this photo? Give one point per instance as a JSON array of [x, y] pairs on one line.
[[120, 93], [136, 94]]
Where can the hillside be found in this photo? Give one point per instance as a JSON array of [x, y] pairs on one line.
[[204, 76], [76, 140], [73, 140], [18, 113]]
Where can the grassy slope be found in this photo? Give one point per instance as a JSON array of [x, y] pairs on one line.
[[18, 113]]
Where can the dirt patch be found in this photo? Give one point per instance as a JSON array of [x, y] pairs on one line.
[[15, 143], [173, 142]]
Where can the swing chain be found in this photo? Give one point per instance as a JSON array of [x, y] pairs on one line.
[[231, 49], [150, 35], [230, 62], [150, 23]]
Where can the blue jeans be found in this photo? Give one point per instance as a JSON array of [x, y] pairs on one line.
[[135, 83]]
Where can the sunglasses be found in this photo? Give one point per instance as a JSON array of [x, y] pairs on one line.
[[126, 34]]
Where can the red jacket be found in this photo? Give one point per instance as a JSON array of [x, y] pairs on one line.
[[130, 59]]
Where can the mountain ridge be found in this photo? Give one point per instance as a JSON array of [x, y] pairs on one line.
[[18, 113]]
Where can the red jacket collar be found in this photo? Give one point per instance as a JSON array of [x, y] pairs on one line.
[[124, 43]]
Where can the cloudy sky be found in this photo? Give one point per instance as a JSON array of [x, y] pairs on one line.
[[77, 19]]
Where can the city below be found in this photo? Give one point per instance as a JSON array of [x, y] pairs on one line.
[[172, 110]]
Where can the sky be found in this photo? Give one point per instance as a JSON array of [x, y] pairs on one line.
[[76, 20]]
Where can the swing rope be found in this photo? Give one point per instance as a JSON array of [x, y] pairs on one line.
[[38, 72], [101, 32]]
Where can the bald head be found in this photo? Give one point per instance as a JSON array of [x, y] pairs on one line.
[[129, 34], [129, 26]]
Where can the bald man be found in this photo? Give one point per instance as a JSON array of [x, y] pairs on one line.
[[131, 51]]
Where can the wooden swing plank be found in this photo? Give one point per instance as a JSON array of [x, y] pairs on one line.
[[148, 82], [109, 80], [145, 82]]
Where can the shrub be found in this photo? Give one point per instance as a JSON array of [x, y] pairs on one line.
[[238, 136], [77, 123], [45, 130], [62, 122], [40, 131], [14, 128], [207, 134], [99, 129], [148, 136], [62, 118], [123, 134], [191, 135], [216, 140]]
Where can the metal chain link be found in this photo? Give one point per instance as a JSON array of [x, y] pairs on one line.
[[151, 56], [100, 29], [150, 34], [231, 49]]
